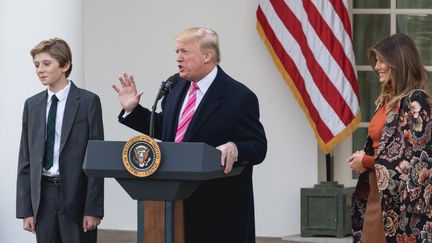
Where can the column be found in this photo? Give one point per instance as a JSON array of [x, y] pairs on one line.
[[23, 24]]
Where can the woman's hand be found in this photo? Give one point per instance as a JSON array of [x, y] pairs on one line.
[[355, 162]]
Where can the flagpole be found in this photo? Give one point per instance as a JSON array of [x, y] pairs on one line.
[[329, 167], [312, 43]]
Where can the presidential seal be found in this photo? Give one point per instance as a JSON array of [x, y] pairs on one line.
[[141, 156]]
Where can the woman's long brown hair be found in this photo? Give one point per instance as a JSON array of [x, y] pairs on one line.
[[407, 73]]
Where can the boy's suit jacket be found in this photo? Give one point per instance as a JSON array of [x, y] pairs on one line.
[[82, 121]]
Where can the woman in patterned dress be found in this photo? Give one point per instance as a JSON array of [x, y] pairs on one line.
[[392, 200]]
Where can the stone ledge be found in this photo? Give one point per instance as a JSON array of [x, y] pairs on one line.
[[129, 236], [299, 239]]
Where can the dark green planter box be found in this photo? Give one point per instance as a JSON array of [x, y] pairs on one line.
[[326, 210]]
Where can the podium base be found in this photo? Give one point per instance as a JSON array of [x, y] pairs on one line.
[[160, 222], [326, 210]]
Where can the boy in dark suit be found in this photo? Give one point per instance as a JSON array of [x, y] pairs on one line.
[[55, 199], [209, 106]]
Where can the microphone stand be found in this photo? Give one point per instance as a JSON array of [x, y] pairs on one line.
[[158, 96]]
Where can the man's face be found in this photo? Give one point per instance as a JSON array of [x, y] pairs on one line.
[[190, 60], [49, 71]]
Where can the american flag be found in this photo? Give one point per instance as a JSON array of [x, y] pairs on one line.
[[311, 44]]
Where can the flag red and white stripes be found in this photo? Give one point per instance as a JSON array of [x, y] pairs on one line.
[[310, 42]]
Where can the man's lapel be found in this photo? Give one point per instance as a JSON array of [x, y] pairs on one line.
[[172, 108], [39, 124], [71, 108]]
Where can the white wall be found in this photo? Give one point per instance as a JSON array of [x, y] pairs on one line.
[[138, 36], [23, 24]]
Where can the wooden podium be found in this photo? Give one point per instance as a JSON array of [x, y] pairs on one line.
[[159, 196]]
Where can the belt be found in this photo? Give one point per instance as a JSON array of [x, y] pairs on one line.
[[53, 180]]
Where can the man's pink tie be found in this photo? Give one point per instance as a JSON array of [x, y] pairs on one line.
[[187, 114]]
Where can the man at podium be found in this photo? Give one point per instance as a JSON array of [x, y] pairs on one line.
[[207, 105]]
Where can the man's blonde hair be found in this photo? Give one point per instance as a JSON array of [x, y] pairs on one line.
[[208, 40]]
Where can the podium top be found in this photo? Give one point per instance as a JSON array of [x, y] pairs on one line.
[[179, 161]]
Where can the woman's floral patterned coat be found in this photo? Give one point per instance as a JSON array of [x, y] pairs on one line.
[[403, 165]]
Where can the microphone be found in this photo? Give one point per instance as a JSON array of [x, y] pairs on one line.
[[164, 89], [166, 86]]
